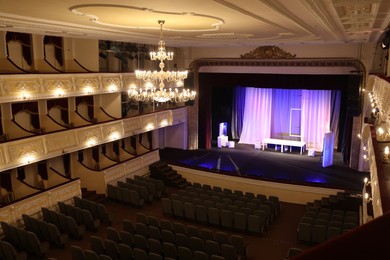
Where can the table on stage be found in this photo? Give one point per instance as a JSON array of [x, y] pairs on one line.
[[283, 143]]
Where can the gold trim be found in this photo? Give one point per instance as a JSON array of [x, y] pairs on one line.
[[268, 52]]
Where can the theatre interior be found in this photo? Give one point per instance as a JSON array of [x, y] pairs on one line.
[[194, 129]]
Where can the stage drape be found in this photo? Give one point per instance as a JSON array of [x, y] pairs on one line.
[[335, 116], [315, 117], [238, 111], [267, 114], [257, 115], [283, 101]]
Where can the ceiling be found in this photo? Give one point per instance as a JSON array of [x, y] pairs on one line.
[[202, 23]]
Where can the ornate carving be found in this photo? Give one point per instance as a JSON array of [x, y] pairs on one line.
[[20, 150], [86, 135], [268, 52], [60, 141], [131, 125], [109, 130]]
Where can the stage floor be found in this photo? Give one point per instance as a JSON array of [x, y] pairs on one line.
[[269, 165]]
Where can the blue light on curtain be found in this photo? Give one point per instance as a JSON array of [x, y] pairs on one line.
[[238, 111]]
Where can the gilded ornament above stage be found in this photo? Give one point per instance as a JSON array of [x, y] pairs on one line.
[[268, 52]]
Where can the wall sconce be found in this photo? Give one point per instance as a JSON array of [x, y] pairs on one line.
[[149, 127], [88, 90], [91, 142], [164, 123], [367, 197], [28, 158], [386, 156], [114, 135], [366, 182]]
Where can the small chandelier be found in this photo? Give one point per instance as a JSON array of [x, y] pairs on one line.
[[152, 78]]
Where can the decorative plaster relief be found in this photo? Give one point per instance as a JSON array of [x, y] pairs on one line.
[[60, 141], [58, 84], [21, 86], [112, 131], [65, 192], [2, 158], [164, 118], [21, 150], [148, 122], [112, 83], [132, 125], [86, 135], [88, 85]]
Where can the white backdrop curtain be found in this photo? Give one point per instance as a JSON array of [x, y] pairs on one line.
[[257, 115], [315, 116], [267, 115]]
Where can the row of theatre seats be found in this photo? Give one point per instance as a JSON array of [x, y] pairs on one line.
[[24, 240], [81, 216], [152, 238], [55, 228], [98, 210], [244, 214], [64, 223], [45, 231], [320, 223], [8, 251], [136, 192]]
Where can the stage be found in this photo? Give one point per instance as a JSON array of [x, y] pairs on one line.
[[269, 165]]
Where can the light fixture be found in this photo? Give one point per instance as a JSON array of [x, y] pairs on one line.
[[367, 197], [155, 81], [366, 182], [386, 156]]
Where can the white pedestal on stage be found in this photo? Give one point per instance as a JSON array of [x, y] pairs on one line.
[[327, 152], [222, 141]]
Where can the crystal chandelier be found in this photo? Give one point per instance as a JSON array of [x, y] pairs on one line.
[[153, 78]]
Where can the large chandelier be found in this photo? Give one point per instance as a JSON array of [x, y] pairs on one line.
[[154, 88]]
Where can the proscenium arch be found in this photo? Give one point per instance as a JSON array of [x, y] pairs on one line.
[[305, 66]]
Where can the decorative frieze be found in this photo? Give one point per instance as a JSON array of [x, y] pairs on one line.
[[26, 151], [60, 141]]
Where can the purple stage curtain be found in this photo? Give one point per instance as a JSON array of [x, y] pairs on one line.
[[315, 117], [238, 111], [283, 101], [257, 115]]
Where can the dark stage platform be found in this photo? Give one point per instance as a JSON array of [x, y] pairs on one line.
[[269, 165]]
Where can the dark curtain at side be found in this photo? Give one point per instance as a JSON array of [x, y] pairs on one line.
[[115, 146], [149, 138], [21, 175], [42, 170], [57, 43], [31, 108], [221, 110], [133, 142], [95, 153], [237, 111], [104, 150], [66, 160], [204, 116], [62, 103], [25, 40], [80, 156], [89, 101], [5, 179]]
